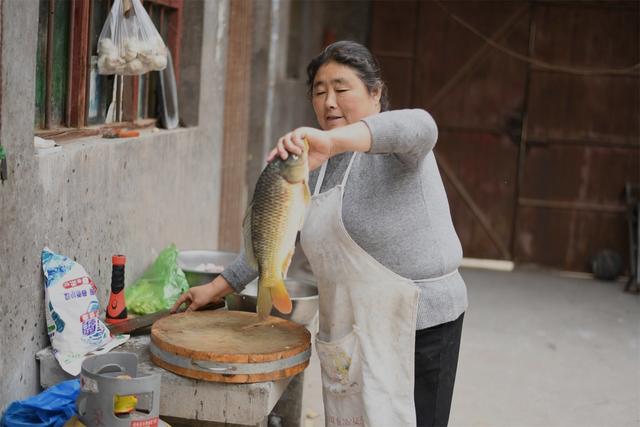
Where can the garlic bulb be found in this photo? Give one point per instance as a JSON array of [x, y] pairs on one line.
[[131, 56], [159, 62], [131, 47], [107, 48], [110, 64], [134, 67]]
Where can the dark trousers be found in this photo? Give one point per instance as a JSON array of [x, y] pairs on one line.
[[436, 361]]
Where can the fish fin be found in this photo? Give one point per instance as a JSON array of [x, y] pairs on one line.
[[280, 298], [306, 193], [248, 241], [264, 301], [287, 262], [306, 199]]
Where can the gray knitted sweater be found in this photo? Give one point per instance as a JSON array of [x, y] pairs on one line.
[[396, 209]]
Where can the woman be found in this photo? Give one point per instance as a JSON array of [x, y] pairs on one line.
[[382, 246]]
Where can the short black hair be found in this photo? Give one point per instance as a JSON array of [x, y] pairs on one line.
[[357, 57]]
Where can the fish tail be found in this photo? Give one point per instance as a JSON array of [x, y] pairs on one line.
[[280, 297], [264, 300]]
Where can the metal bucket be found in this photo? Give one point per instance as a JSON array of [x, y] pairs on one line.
[[303, 294], [189, 260]]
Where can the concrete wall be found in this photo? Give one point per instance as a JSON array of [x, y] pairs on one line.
[[278, 101], [98, 197]]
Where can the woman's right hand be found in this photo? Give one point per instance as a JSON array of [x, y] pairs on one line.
[[323, 144], [199, 296], [320, 146]]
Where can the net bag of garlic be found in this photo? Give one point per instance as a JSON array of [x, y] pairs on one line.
[[129, 43]]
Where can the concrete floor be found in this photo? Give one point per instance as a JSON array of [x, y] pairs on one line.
[[538, 349]]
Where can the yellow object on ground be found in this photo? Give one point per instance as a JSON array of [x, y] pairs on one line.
[[74, 422], [124, 404]]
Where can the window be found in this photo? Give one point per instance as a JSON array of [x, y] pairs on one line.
[[72, 99]]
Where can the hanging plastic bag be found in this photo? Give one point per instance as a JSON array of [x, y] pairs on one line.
[[129, 43], [51, 408], [159, 287], [169, 115]]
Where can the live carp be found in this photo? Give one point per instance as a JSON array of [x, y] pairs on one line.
[[273, 219]]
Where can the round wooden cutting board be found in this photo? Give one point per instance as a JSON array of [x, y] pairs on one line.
[[228, 346]]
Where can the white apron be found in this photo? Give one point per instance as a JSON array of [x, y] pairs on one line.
[[367, 322]]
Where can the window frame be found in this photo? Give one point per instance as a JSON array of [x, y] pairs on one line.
[[77, 98]]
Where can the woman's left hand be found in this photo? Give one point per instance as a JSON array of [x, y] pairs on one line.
[[320, 145]]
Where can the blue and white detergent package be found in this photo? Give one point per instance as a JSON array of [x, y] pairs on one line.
[[73, 313]]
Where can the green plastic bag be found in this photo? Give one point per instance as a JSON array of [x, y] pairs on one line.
[[159, 287]]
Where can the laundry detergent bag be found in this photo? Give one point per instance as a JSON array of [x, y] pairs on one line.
[[72, 311]]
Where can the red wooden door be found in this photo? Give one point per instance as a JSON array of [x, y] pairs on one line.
[[536, 138], [581, 138], [475, 94]]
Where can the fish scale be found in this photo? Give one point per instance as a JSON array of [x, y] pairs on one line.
[[269, 213]]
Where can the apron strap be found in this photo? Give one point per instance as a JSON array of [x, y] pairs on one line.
[[323, 171], [320, 179], [346, 174]]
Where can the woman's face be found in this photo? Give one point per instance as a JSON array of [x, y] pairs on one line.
[[340, 98]]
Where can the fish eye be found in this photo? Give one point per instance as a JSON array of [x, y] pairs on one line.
[[294, 156]]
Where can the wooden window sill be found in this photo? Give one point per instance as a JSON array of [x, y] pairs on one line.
[[68, 134]]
